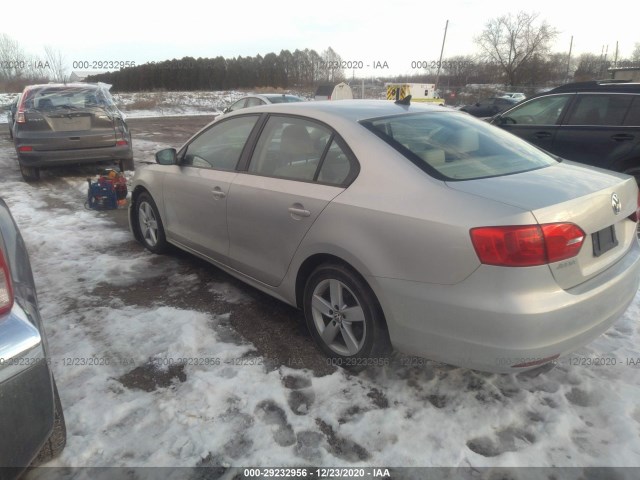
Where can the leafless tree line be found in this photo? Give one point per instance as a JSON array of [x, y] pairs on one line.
[[19, 68]]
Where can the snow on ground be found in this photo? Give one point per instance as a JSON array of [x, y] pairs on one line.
[[154, 104], [225, 407]]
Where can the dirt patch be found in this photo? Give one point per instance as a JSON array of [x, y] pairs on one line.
[[148, 377]]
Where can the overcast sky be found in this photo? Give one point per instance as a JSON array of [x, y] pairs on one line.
[[397, 32]]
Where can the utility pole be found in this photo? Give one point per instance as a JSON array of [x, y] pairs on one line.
[[441, 52], [569, 60]]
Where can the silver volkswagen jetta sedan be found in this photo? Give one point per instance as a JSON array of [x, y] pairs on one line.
[[413, 227]]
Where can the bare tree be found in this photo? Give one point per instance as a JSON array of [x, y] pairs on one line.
[[590, 67], [511, 41], [635, 56], [56, 64], [13, 60], [330, 66]]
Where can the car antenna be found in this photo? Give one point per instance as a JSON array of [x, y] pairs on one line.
[[405, 101]]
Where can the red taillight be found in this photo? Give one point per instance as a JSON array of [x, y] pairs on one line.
[[20, 118], [526, 245], [636, 215], [25, 148], [562, 240], [6, 291], [121, 143]]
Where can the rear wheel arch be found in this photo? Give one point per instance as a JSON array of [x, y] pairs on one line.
[[313, 262], [343, 314], [309, 265]]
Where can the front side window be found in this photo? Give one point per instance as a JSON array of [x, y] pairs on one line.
[[599, 110], [539, 111], [220, 147], [238, 105], [253, 102], [452, 146]]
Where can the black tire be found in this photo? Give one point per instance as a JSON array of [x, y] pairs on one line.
[[355, 344], [148, 224], [30, 174], [127, 164], [58, 438]]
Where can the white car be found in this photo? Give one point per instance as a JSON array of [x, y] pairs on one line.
[[515, 96]]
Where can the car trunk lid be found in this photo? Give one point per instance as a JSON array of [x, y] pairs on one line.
[[568, 192], [68, 128]]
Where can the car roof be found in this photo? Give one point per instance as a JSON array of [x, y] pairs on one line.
[[598, 86], [353, 110], [43, 86], [274, 95]]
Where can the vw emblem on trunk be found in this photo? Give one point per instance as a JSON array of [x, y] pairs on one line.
[[616, 204]]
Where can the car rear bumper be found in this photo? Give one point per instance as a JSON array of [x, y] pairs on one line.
[[39, 158], [26, 391], [499, 318]]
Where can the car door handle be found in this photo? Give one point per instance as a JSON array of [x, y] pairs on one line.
[[299, 212], [622, 137], [542, 134], [218, 193]]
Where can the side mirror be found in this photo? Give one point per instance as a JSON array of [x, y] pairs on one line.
[[226, 110], [168, 156]]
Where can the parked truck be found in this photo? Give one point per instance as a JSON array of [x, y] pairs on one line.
[[420, 92]]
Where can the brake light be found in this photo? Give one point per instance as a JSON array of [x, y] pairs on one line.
[[25, 148], [636, 215], [6, 290], [527, 245], [121, 143], [20, 118]]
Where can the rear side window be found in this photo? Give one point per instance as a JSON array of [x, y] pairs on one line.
[[633, 115], [539, 111], [301, 149], [599, 110], [290, 148], [452, 146]]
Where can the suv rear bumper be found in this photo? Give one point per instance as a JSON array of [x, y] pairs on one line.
[[51, 158]]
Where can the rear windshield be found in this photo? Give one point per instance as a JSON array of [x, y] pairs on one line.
[[71, 97], [454, 146]]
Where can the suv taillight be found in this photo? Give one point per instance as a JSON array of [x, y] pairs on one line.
[[20, 117], [527, 245], [6, 290]]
